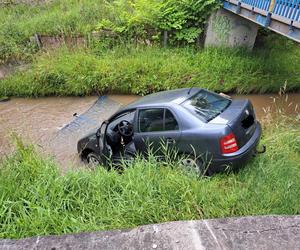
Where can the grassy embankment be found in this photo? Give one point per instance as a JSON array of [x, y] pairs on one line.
[[125, 21], [36, 200], [142, 70], [19, 22]]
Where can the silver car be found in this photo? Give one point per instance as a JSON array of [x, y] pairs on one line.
[[209, 131]]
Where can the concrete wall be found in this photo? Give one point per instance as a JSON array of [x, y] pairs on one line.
[[227, 29], [248, 233], [6, 70]]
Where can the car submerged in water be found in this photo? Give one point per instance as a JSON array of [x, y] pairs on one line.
[[209, 131]]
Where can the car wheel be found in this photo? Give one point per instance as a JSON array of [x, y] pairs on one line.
[[194, 165], [93, 160]]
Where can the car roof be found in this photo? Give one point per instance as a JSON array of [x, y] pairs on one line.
[[163, 98]]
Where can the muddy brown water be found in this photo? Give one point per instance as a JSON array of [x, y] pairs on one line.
[[49, 122]]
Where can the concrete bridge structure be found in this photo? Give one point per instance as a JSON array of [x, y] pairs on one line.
[[236, 24]]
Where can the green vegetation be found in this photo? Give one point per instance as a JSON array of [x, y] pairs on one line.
[[4, 98], [127, 20], [118, 60], [142, 70], [19, 22], [36, 200]]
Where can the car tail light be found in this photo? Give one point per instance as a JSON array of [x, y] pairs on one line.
[[228, 144]]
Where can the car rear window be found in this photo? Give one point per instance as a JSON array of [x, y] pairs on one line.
[[206, 105]]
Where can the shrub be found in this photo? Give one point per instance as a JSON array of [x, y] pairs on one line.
[[144, 19]]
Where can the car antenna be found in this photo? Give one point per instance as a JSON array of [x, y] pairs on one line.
[[190, 89]]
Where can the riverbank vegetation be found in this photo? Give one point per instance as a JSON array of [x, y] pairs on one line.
[[35, 199], [126, 54], [119, 21], [143, 70]]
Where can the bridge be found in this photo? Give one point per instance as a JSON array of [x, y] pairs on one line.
[[237, 22]]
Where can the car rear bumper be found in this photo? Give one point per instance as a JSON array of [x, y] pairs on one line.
[[239, 158]]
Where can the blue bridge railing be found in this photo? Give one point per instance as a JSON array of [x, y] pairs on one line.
[[263, 4], [281, 16], [289, 9]]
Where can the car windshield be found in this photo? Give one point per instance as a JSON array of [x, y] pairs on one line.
[[206, 105]]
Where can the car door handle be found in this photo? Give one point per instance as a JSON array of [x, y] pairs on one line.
[[170, 141]]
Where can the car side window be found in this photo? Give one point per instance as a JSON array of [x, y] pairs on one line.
[[156, 119], [170, 121], [151, 120]]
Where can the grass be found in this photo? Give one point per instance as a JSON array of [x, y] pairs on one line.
[[142, 70], [20, 22], [35, 199], [4, 98]]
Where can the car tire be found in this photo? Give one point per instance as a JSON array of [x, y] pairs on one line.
[[93, 160], [195, 165]]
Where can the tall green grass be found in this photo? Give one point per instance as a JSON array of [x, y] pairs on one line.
[[36, 200], [20, 22], [142, 70]]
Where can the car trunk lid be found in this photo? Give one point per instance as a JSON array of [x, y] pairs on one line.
[[240, 117]]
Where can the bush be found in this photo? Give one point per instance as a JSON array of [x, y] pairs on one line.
[[144, 19]]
